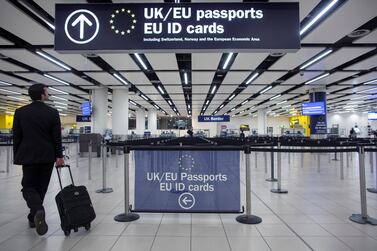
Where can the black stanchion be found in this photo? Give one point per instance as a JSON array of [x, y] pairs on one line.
[[104, 189], [127, 215], [374, 189], [279, 190], [272, 179], [248, 218]]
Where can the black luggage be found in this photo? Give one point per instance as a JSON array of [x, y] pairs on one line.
[[74, 206]]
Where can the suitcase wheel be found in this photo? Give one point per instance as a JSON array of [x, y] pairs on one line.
[[87, 227], [67, 232], [75, 229]]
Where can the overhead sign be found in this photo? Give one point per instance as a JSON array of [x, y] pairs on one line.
[[372, 116], [83, 118], [223, 118], [313, 108], [187, 181], [264, 27]]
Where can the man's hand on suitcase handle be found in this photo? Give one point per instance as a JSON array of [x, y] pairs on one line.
[[59, 162]]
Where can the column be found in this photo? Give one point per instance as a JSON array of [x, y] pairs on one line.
[[140, 121], [262, 121], [99, 115], [318, 123], [152, 121], [120, 112]]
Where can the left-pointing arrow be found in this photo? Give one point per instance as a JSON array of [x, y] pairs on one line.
[[82, 19]]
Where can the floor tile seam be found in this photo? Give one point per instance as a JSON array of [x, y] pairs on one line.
[[287, 225], [226, 235], [155, 236], [43, 240], [264, 239], [190, 232], [120, 235]]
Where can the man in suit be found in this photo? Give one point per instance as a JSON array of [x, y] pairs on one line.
[[37, 145]]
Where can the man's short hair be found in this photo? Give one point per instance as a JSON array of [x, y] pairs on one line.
[[36, 91]]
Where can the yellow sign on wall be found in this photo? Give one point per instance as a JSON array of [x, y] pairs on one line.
[[303, 121]]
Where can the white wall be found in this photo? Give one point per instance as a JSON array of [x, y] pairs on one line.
[[348, 120]]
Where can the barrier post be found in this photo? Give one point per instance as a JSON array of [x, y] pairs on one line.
[[77, 153], [116, 158], [127, 215], [335, 156], [289, 157], [341, 166], [272, 179], [362, 218], [248, 218], [104, 189], [265, 162], [302, 159], [8, 159], [90, 160], [371, 161], [374, 189], [279, 190], [348, 159], [256, 159], [319, 163]]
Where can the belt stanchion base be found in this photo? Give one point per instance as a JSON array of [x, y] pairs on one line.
[[279, 190], [272, 179], [104, 189], [248, 218], [362, 218], [127, 216]]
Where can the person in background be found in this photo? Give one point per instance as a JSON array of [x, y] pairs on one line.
[[190, 131], [352, 133], [242, 135], [107, 136], [37, 145]]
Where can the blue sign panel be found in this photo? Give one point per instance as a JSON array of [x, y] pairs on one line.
[[313, 108], [85, 108], [372, 115], [223, 118], [82, 118], [187, 181]]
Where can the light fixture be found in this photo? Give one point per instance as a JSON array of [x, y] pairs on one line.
[[275, 97], [160, 89], [117, 76], [57, 90], [186, 78], [188, 106], [366, 83], [144, 97], [265, 89], [44, 55], [368, 90], [170, 103], [60, 103], [132, 102], [61, 107], [360, 97], [317, 78], [56, 79], [227, 60], [158, 108], [207, 102], [244, 102], [282, 102], [232, 109], [316, 18], [252, 78], [252, 107], [16, 98], [8, 112], [141, 61], [4, 83], [13, 92], [215, 112], [221, 106], [213, 89], [325, 53], [231, 97], [35, 13], [52, 96]]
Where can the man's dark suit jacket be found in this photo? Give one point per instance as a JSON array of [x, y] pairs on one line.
[[36, 134]]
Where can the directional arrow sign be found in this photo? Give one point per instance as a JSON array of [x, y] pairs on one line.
[[82, 19], [186, 200]]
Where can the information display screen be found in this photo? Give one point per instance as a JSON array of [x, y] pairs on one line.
[[86, 108], [313, 108], [82, 118], [372, 115]]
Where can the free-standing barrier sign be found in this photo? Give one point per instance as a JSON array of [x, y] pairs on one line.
[[187, 181], [205, 118], [232, 27]]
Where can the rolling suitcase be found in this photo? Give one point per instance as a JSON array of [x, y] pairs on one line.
[[74, 206]]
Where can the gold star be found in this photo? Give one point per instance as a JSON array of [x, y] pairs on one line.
[[128, 11], [111, 21], [113, 27], [117, 11], [128, 31], [117, 31], [123, 9], [122, 33], [133, 15], [112, 15], [134, 21], [132, 27]]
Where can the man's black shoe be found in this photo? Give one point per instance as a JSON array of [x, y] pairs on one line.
[[31, 224], [40, 223]]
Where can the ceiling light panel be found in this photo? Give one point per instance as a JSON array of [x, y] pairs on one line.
[[169, 78], [78, 62], [339, 57], [202, 77], [31, 31], [292, 60], [120, 61], [169, 61], [6, 66], [348, 19], [136, 78], [208, 61], [32, 59], [365, 64], [104, 78], [72, 78], [248, 61], [13, 80], [299, 79]]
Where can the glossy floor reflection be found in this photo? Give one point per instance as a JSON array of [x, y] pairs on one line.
[[312, 216]]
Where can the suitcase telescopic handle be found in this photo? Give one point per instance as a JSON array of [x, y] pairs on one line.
[[70, 174]]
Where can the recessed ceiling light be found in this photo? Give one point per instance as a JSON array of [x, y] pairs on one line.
[[277, 54], [358, 33]]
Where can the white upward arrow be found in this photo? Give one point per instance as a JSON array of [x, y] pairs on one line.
[[82, 19]]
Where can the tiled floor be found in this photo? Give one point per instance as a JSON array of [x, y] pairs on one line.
[[312, 216]]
